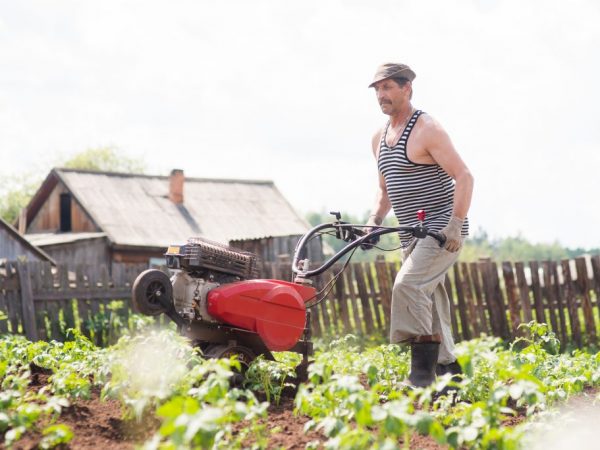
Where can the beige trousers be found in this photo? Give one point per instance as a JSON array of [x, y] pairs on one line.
[[420, 304]]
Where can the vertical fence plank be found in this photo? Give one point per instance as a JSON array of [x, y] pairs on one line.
[[375, 297], [465, 320], [595, 260], [550, 294], [4, 289], [480, 301], [560, 304], [469, 299], [500, 303], [14, 305], [454, 319], [536, 291], [524, 295], [486, 269], [342, 301], [353, 300], [385, 286], [29, 324], [571, 302], [511, 295], [359, 275], [586, 303]]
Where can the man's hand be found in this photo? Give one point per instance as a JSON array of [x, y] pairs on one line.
[[453, 235], [372, 223]]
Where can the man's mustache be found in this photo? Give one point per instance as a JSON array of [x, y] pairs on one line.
[[385, 102]]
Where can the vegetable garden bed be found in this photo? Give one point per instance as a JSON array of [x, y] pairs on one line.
[[154, 391]]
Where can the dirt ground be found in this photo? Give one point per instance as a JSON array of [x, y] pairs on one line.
[[99, 424]]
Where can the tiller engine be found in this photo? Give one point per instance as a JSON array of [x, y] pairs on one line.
[[217, 301]]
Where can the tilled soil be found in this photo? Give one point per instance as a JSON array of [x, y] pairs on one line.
[[99, 424]]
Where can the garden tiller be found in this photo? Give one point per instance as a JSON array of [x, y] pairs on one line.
[[217, 300]]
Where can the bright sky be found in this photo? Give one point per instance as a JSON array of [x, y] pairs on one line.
[[278, 90]]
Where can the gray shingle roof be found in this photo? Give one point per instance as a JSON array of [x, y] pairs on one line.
[[134, 210]]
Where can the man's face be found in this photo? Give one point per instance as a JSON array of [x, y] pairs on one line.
[[391, 96]]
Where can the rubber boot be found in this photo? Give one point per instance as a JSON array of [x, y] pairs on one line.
[[455, 370], [424, 356], [452, 368]]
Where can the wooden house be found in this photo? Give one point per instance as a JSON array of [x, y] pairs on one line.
[[87, 217]]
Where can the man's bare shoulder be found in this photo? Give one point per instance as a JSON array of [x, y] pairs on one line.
[[376, 139], [428, 123]]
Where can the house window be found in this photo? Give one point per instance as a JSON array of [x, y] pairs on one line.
[[65, 212]]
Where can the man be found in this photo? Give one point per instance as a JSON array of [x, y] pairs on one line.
[[419, 168]]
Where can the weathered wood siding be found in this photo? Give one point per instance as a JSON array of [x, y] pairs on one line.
[[12, 249], [47, 220], [84, 252], [270, 249]]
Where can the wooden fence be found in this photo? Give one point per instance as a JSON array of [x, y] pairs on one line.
[[487, 297], [36, 298]]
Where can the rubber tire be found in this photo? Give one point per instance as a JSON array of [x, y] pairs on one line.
[[245, 355], [155, 279]]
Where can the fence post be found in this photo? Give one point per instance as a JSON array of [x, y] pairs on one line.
[[29, 325]]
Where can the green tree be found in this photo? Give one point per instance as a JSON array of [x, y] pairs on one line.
[[105, 159], [15, 193]]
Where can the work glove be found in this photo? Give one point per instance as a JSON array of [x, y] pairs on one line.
[[372, 224], [452, 232]]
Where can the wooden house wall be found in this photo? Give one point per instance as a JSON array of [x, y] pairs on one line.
[[47, 220], [137, 257], [270, 249], [11, 248], [85, 252]]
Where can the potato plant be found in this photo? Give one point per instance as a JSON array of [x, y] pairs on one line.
[[354, 397]]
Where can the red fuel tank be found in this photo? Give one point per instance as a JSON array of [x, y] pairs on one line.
[[272, 308]]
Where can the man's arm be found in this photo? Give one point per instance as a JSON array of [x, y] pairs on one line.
[[440, 148], [382, 203]]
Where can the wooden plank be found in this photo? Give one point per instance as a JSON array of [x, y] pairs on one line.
[[454, 320], [29, 322], [360, 277], [524, 295], [104, 277], [13, 300], [479, 298], [3, 304], [501, 304], [323, 309], [595, 260], [571, 303], [353, 299], [375, 300], [536, 290], [512, 297], [469, 298], [340, 300], [81, 294], [550, 282], [331, 302], [385, 289], [560, 304], [586, 303], [485, 267], [465, 320], [53, 308]]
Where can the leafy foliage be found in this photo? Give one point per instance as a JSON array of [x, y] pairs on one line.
[[354, 396]]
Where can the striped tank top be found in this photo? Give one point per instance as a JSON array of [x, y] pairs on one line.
[[412, 186]]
